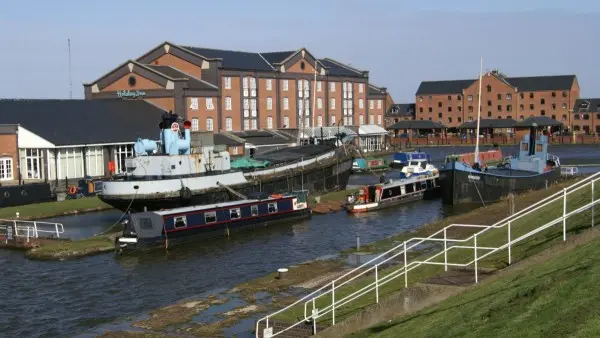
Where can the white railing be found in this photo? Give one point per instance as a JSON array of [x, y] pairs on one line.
[[569, 171], [440, 237], [33, 229]]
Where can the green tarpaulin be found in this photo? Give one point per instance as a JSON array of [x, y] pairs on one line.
[[245, 162]]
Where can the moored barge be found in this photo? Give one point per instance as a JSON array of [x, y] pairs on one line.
[[165, 228]]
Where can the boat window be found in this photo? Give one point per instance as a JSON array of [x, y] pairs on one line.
[[210, 217], [272, 207], [235, 213], [145, 223], [525, 147], [180, 221], [254, 210], [538, 147]]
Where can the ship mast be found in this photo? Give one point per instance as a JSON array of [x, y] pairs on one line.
[[476, 157]]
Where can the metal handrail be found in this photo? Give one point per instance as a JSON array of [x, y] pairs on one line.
[[329, 289], [33, 227]]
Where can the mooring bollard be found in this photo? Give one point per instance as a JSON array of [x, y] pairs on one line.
[[281, 273]]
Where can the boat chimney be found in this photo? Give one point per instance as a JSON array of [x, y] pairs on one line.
[[532, 139]]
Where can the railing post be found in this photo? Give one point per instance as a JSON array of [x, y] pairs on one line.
[[314, 317], [445, 252], [593, 206], [16, 229], [333, 303], [509, 243], [56, 228], [475, 253], [376, 284], [564, 214], [35, 229], [405, 269]]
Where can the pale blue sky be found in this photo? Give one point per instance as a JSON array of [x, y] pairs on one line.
[[401, 42]]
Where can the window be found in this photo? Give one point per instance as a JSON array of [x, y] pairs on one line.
[[531, 106], [499, 96], [33, 158], [361, 119], [508, 97], [379, 104], [254, 210], [180, 222], [564, 106], [449, 120], [522, 107], [440, 104], [269, 84], [319, 103], [246, 124], [499, 108], [332, 86], [269, 103], [228, 124], [449, 97], [420, 98], [564, 94], [553, 94], [361, 88], [269, 122], [489, 88], [458, 97], [521, 117], [254, 124], [543, 112], [285, 85], [332, 119], [522, 95], [234, 150], [332, 103], [553, 106], [554, 117], [379, 119], [449, 109], [210, 217], [576, 116], [361, 104], [470, 109], [194, 124], [508, 107], [227, 83], [121, 153], [586, 116], [320, 121], [429, 98], [6, 169], [470, 97], [489, 103], [420, 109], [194, 103], [542, 101], [440, 115], [470, 118], [531, 95], [430, 110], [145, 223], [371, 119], [209, 124], [209, 103], [459, 109], [576, 128], [286, 121], [489, 114], [235, 213], [372, 105], [272, 207], [228, 103], [319, 86], [286, 103]]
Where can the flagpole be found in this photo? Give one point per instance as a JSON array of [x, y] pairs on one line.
[[476, 157]]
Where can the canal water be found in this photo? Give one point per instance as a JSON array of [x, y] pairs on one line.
[[65, 298]]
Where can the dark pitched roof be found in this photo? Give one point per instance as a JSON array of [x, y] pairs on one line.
[[277, 57], [223, 138], [417, 124], [402, 109], [76, 122], [193, 82], [262, 137], [443, 87], [489, 123], [234, 59], [541, 121], [374, 90], [537, 83], [587, 106], [337, 68]]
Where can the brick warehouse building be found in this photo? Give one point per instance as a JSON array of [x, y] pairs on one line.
[[455, 102], [222, 90]]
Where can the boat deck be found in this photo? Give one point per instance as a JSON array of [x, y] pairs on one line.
[[510, 172]]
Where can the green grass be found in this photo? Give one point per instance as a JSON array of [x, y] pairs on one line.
[[555, 298], [333, 196], [492, 238], [72, 249], [52, 209]]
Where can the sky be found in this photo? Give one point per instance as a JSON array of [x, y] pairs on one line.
[[400, 42]]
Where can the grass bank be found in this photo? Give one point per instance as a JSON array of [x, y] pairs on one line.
[[553, 296], [494, 238], [54, 209], [67, 249]]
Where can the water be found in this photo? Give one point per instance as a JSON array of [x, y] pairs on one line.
[[56, 299]]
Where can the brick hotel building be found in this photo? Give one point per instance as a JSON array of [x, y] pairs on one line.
[[223, 90], [455, 102]]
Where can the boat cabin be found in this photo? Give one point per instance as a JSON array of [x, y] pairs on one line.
[[533, 154], [381, 192]]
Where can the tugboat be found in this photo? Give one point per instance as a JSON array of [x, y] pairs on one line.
[[389, 193], [413, 163], [532, 169], [166, 228]]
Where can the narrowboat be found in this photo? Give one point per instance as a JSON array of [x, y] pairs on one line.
[[165, 228], [390, 193]]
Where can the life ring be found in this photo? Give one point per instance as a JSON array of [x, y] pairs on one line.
[[72, 190]]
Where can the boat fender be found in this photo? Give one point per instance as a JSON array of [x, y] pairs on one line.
[[185, 193], [72, 190]]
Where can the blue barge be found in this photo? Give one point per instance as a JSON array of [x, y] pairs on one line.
[[165, 228]]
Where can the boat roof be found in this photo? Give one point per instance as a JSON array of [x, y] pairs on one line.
[[194, 208]]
